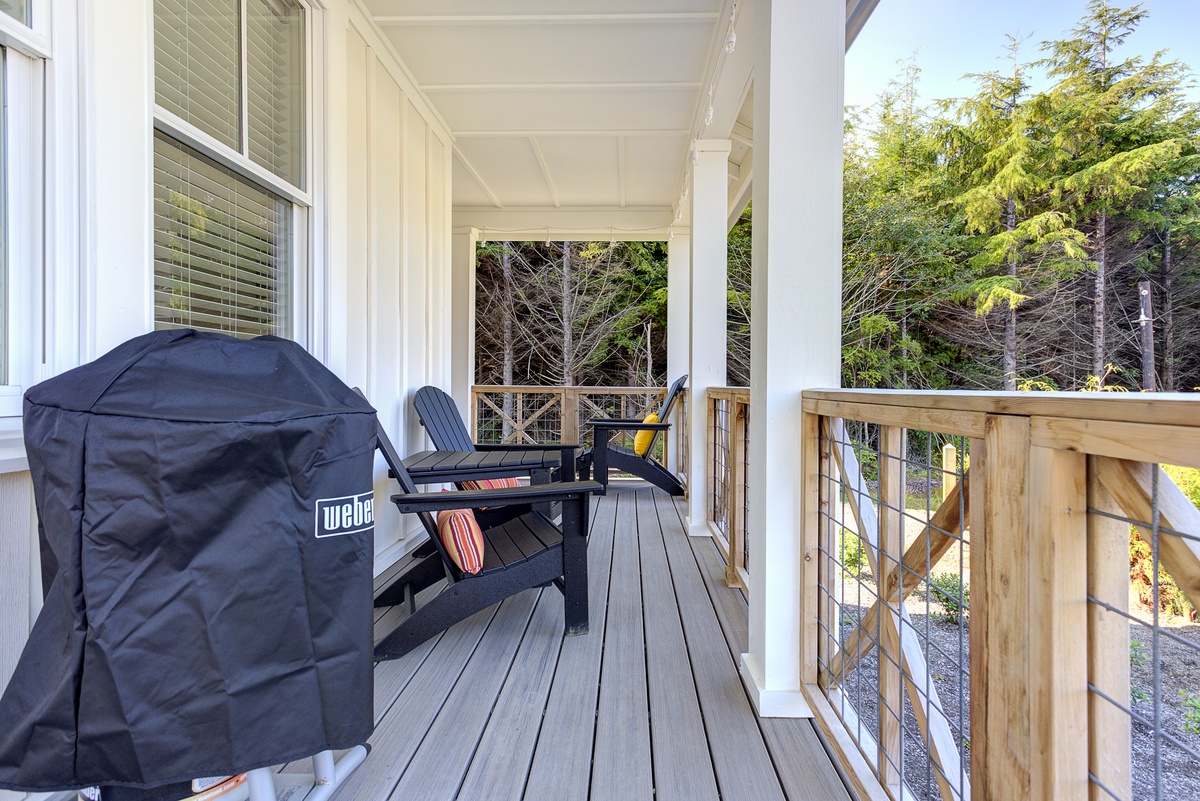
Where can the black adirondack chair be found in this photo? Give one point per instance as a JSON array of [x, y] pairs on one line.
[[605, 454], [526, 551], [440, 417]]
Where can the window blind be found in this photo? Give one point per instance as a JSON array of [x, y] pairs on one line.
[[221, 248], [275, 87], [197, 64]]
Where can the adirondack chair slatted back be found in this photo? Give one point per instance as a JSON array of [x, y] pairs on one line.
[[665, 411], [396, 466], [439, 415]]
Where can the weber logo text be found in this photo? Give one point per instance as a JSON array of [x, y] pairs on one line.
[[347, 515]]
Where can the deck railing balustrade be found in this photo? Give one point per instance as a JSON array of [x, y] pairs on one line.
[[533, 414], [728, 444], [1045, 677]]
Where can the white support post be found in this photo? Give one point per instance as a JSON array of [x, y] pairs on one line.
[[796, 326], [708, 293], [679, 320], [119, 154], [462, 317]]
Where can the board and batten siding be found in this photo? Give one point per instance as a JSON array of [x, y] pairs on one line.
[[396, 268]]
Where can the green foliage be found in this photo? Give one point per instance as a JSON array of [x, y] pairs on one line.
[[1191, 712], [1171, 599], [954, 596], [851, 553]]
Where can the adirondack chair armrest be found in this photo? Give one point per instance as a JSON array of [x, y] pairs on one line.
[[549, 446], [504, 496], [605, 423]]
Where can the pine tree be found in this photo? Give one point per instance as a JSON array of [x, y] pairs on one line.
[[1108, 118]]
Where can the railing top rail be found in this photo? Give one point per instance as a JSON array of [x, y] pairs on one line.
[[560, 388], [1163, 408]]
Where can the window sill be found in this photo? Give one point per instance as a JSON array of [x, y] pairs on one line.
[[12, 446]]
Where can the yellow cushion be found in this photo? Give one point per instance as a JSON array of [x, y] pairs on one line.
[[641, 441], [462, 538]]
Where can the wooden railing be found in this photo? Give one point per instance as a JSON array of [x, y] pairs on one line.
[[531, 414], [728, 457], [1044, 680]]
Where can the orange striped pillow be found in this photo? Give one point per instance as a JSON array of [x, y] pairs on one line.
[[489, 483], [462, 538]]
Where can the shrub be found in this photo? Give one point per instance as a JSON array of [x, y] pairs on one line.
[[851, 553], [954, 596]]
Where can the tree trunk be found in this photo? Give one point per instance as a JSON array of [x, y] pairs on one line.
[[568, 376], [1146, 321], [1167, 313], [1101, 290], [506, 328], [1010, 316]]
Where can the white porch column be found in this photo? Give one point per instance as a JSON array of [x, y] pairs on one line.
[[708, 291], [796, 325], [118, 287], [679, 320], [462, 317]]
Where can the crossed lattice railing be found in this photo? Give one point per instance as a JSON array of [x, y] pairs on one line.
[[528, 414]]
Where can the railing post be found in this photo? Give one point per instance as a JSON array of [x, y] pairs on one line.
[[1058, 655], [891, 549], [949, 470], [736, 493], [1110, 740], [569, 414], [1000, 621], [474, 412], [814, 532]]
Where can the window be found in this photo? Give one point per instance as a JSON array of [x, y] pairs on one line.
[[17, 9], [3, 216], [229, 163]]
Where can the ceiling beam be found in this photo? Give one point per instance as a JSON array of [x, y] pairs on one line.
[[575, 132], [478, 178], [545, 168], [556, 87], [543, 19]]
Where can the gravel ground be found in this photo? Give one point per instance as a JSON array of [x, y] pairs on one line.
[[947, 649]]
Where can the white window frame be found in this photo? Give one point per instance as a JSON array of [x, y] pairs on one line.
[[24, 175], [302, 200]]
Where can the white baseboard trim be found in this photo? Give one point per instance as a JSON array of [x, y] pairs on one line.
[[698, 529], [771, 703]]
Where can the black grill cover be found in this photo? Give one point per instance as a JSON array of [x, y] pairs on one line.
[[205, 506]]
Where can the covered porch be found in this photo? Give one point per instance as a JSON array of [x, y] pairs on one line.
[[647, 705]]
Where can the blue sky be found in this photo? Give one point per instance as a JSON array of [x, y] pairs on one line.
[[955, 37]]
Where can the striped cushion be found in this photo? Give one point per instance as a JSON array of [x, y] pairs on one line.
[[489, 483], [462, 538]]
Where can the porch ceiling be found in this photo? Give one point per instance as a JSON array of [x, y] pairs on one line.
[[577, 117]]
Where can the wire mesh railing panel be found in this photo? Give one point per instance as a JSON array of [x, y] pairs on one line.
[[720, 461], [628, 404], [894, 603], [520, 416], [744, 430], [1144, 639]]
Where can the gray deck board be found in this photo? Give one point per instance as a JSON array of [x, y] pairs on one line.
[[500, 765], [744, 772], [562, 760], [682, 764], [793, 743], [622, 770], [648, 705], [449, 744]]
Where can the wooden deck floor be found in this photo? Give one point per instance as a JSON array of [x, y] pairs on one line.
[[648, 705]]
